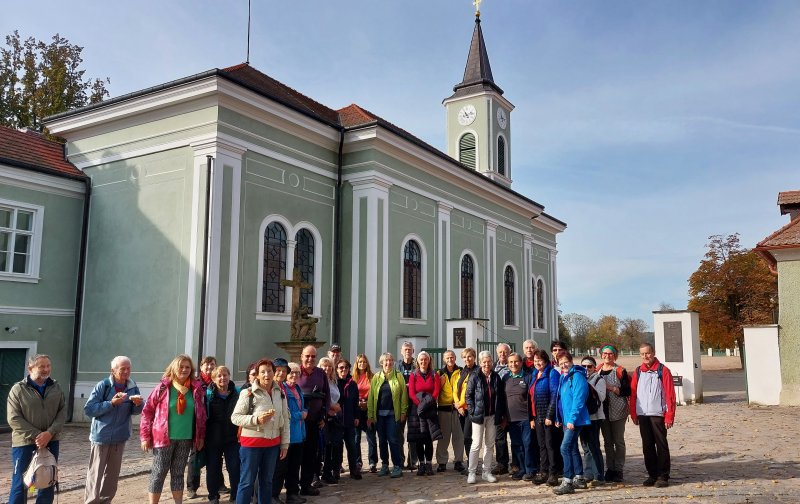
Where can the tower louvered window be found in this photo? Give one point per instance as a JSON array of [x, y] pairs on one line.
[[466, 150], [274, 294], [501, 156]]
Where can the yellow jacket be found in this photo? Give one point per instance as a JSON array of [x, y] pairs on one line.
[[446, 392], [460, 392]]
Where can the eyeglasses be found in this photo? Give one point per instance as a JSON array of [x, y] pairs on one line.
[[589, 366], [607, 353]]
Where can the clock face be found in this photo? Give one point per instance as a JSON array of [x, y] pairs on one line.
[[502, 118], [467, 115]]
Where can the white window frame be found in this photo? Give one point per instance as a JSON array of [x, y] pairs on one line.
[[291, 233], [535, 317], [423, 272], [32, 275], [476, 276], [515, 325]]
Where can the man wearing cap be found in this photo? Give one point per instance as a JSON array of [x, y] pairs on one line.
[[335, 353]]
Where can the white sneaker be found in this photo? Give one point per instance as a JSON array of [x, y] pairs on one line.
[[487, 476], [472, 479]]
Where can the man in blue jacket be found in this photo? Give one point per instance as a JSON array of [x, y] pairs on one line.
[[111, 404]]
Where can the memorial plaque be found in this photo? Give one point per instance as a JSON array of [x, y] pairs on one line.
[[459, 337], [673, 342], [677, 381]]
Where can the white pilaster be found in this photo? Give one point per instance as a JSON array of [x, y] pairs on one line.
[[553, 327], [491, 275], [527, 282], [444, 271]]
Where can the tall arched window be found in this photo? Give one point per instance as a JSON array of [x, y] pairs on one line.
[[466, 150], [412, 280], [510, 316], [501, 156], [273, 298], [304, 262], [467, 288], [540, 304]]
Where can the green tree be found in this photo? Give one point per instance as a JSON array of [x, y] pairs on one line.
[[605, 331], [732, 288], [579, 327], [39, 79], [632, 332], [563, 330]]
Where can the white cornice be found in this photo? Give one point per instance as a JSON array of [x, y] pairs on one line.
[[30, 310], [494, 94], [550, 224], [215, 145], [29, 179], [370, 181]]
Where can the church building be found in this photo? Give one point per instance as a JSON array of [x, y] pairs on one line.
[[208, 191]]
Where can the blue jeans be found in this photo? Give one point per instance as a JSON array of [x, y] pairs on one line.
[[590, 440], [20, 460], [372, 442], [524, 447], [258, 462], [573, 465], [387, 435]]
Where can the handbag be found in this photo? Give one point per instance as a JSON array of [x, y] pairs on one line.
[[42, 472]]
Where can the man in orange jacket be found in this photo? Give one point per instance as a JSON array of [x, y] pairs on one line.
[[652, 406]]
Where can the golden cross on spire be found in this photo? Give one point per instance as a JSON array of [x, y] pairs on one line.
[[477, 4]]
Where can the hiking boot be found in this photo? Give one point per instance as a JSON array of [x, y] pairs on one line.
[[397, 472], [421, 470], [224, 489], [500, 469], [472, 479], [428, 469], [662, 483], [458, 466], [617, 477], [528, 477], [441, 468], [514, 469], [309, 490], [384, 470], [356, 475], [596, 483], [373, 468], [191, 494], [213, 501], [277, 500], [649, 482], [540, 479], [489, 477], [565, 488], [330, 479], [316, 482], [517, 476], [553, 480], [294, 499], [579, 483], [610, 474]]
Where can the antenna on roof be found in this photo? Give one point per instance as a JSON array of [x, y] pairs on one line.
[[248, 32]]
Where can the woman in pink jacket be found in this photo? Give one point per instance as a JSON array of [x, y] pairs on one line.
[[173, 420]]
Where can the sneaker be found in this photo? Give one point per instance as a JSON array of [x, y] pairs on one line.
[[617, 477], [500, 469], [224, 489], [540, 479], [317, 483], [458, 466], [489, 477], [595, 483], [552, 480], [309, 490], [472, 479], [579, 483], [397, 472], [191, 494], [662, 483], [421, 470], [373, 468], [517, 476], [329, 479], [528, 477], [294, 499], [441, 468], [356, 475], [649, 482], [565, 488], [384, 470]]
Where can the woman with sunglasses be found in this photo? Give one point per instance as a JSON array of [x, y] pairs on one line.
[[615, 410]]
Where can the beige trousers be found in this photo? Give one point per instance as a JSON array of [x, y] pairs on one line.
[[102, 477]]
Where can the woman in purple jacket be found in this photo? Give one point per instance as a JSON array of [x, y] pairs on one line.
[[173, 420]]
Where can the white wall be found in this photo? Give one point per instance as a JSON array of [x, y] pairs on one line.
[[762, 364]]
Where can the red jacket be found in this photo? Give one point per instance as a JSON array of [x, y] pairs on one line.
[[416, 384], [667, 386], [155, 415]]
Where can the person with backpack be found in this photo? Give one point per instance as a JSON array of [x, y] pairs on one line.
[[652, 408], [112, 403], [423, 420], [590, 436], [173, 422], [287, 473], [572, 415], [348, 400], [222, 439], [615, 410], [544, 387], [263, 415], [36, 415]]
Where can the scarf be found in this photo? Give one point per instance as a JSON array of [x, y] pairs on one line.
[[182, 390]]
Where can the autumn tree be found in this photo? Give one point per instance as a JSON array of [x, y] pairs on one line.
[[39, 79], [632, 332], [579, 327], [605, 331], [732, 288], [563, 330]]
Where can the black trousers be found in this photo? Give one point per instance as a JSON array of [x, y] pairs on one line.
[[287, 471], [501, 446], [425, 450], [655, 446], [466, 426], [556, 437], [311, 456], [549, 451]]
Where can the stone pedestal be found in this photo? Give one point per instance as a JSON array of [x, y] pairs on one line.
[[762, 364], [295, 348], [464, 333], [677, 335]]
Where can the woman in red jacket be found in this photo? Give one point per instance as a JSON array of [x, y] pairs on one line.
[[422, 381]]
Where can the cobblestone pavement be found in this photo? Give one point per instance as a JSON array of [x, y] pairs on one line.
[[722, 451]]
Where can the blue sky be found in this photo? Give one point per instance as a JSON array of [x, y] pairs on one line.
[[645, 125]]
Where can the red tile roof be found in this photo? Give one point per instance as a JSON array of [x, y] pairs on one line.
[[786, 237], [28, 149], [789, 197]]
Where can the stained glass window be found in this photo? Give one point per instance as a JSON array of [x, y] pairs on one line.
[[467, 288], [412, 280], [304, 262], [510, 316], [274, 294]]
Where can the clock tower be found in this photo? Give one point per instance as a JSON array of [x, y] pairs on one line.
[[479, 117]]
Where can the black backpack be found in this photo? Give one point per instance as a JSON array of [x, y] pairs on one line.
[[592, 399]]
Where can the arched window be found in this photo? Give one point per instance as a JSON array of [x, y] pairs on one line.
[[273, 297], [304, 262], [466, 150], [501, 156], [412, 280], [540, 304], [510, 316], [467, 288]]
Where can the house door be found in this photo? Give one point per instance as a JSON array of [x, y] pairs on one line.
[[12, 370]]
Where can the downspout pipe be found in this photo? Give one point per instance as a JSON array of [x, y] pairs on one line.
[[76, 330], [206, 250], [337, 246]]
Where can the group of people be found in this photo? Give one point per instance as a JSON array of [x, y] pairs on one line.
[[289, 425]]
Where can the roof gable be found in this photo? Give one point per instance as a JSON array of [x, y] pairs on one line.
[[31, 150]]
